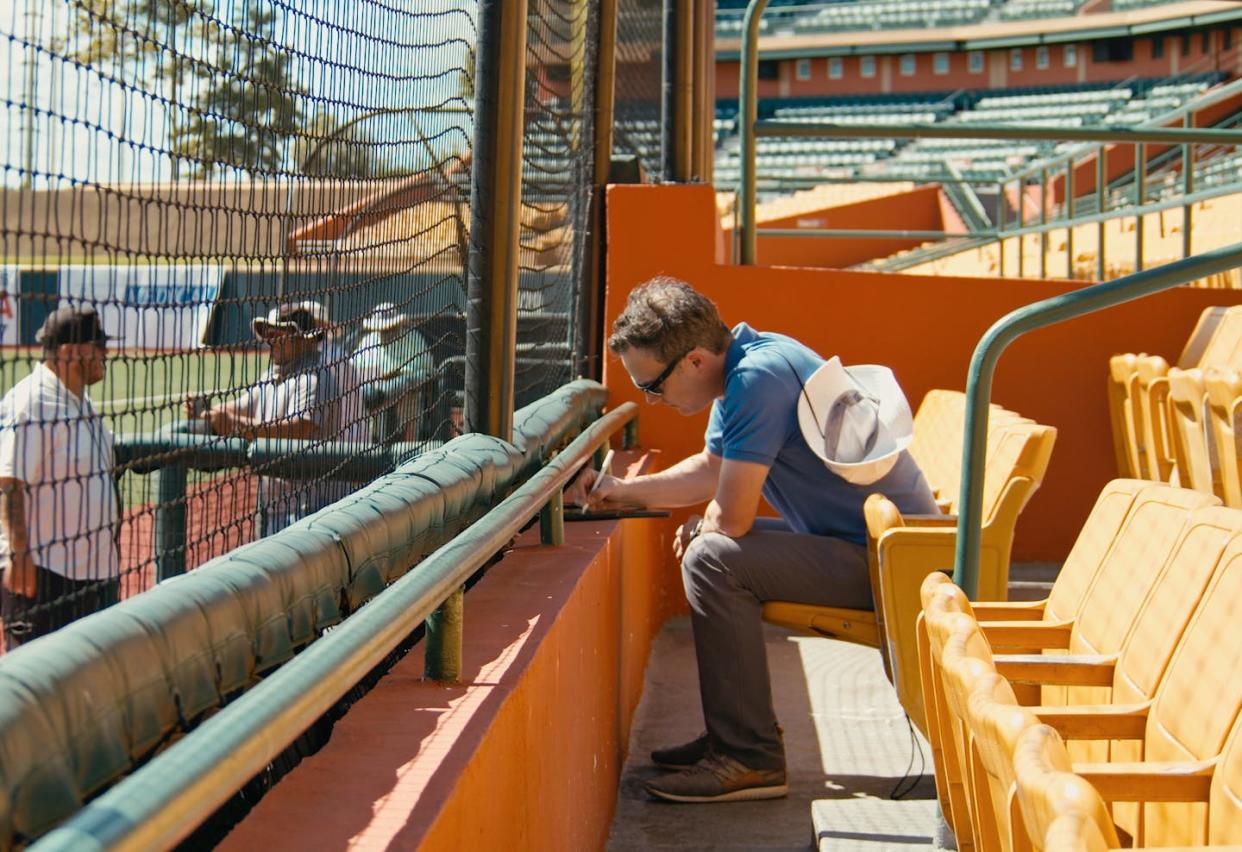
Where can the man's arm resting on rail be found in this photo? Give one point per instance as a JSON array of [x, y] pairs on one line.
[[232, 419], [20, 576], [689, 482]]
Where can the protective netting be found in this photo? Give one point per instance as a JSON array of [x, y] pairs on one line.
[[557, 174], [640, 47], [265, 204]]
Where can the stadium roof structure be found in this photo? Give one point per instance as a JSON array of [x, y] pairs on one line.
[[1174, 16]]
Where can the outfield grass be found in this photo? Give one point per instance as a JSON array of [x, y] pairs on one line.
[[143, 391]]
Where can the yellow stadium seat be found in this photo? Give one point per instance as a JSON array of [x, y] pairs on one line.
[[995, 722], [1151, 395], [1188, 432], [1121, 390], [1223, 386], [1061, 811]]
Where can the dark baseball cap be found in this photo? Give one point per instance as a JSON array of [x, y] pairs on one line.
[[71, 325]]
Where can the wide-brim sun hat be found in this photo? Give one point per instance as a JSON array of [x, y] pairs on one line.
[[855, 419], [295, 318], [383, 317]]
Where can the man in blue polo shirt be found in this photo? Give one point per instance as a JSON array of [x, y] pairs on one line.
[[677, 350]]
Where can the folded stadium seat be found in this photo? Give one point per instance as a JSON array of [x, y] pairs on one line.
[[312, 573], [1215, 340], [1224, 400], [995, 722], [1061, 811], [1151, 390], [1189, 720], [38, 786], [1188, 432]]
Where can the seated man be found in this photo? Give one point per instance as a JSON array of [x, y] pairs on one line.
[[677, 350], [295, 398]]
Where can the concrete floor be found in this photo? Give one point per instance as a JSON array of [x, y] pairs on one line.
[[848, 746]]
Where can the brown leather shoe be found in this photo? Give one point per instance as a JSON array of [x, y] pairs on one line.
[[681, 756], [720, 778]]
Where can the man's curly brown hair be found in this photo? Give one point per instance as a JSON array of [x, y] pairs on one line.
[[668, 317]]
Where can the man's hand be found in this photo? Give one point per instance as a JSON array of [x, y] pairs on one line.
[[579, 492], [20, 577], [221, 421], [685, 535]]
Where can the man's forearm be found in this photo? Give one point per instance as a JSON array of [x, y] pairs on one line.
[[13, 513], [689, 482]]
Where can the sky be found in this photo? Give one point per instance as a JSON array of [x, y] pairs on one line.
[[111, 125]]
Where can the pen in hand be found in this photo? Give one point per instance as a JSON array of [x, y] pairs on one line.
[[599, 477]]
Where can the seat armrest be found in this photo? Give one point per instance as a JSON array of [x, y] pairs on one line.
[[1009, 610], [1060, 669], [1097, 722], [1027, 635], [1154, 781]]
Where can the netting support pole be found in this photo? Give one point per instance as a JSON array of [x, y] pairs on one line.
[[588, 328], [552, 521], [442, 640], [170, 518], [702, 125], [495, 210], [676, 90], [629, 438]]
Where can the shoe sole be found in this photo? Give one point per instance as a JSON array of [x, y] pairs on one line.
[[672, 767], [747, 794]]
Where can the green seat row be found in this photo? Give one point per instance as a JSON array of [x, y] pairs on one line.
[[84, 706]]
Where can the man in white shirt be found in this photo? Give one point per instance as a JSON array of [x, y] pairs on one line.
[[297, 398], [59, 508]]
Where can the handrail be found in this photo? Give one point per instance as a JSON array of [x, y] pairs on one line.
[[163, 802], [1009, 328]]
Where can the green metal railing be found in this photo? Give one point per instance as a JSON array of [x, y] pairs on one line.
[[1019, 322], [161, 803]]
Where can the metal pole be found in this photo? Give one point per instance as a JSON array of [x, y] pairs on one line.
[[170, 519], [668, 93], [1069, 217], [1140, 195], [702, 110], [1009, 328], [1043, 220], [1000, 227], [748, 113], [588, 331], [953, 130], [552, 521], [684, 82], [1021, 223], [495, 200], [1188, 186], [442, 640], [1101, 201]]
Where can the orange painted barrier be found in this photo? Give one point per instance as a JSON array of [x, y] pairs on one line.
[[924, 327]]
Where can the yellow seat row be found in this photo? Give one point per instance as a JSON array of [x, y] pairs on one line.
[[903, 548], [1146, 691]]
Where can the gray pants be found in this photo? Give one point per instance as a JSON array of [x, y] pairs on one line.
[[727, 582]]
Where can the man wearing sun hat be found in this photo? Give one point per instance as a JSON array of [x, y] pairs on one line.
[[394, 358], [813, 438], [296, 398], [59, 508]]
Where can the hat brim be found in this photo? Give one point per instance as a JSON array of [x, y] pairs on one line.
[[823, 388], [262, 328]]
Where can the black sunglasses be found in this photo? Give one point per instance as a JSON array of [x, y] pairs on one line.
[[655, 386]]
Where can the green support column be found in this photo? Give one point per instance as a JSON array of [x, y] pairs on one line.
[[1021, 223], [1043, 220], [170, 515], [1000, 228], [552, 520], [1188, 186], [443, 639], [1140, 196], [1101, 200], [1069, 217], [629, 437]]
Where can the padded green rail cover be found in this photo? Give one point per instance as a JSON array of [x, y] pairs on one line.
[[82, 707]]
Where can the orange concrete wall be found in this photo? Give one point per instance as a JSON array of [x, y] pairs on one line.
[[526, 751], [924, 327], [918, 209]]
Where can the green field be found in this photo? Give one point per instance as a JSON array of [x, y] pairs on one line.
[[143, 391]]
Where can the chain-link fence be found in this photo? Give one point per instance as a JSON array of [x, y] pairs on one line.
[[235, 240], [640, 48]]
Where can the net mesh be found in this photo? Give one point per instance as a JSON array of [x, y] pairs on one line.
[[640, 48], [266, 206]]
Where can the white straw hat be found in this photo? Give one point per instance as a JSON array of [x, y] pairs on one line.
[[856, 420], [385, 316]]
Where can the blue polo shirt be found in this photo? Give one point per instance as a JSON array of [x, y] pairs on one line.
[[757, 421]]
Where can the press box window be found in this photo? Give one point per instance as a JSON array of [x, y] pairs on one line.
[[940, 63], [1041, 57], [866, 66], [1015, 59], [1069, 56], [907, 65], [836, 68], [1157, 47], [769, 69], [974, 62], [804, 69]]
